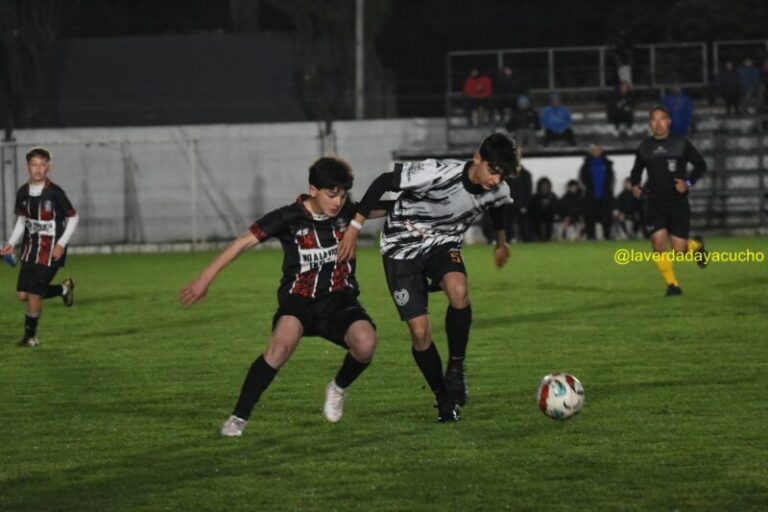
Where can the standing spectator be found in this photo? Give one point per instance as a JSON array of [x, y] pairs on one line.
[[628, 212], [729, 87], [478, 89], [556, 121], [621, 109], [680, 110], [517, 222], [543, 210], [509, 88], [622, 51], [524, 123], [765, 83], [598, 178], [750, 85], [571, 210]]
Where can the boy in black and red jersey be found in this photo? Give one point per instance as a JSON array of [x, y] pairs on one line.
[[46, 221], [317, 295]]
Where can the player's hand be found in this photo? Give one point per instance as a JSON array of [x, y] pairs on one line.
[[501, 254], [58, 252], [637, 191], [681, 186], [347, 245], [193, 293], [6, 250]]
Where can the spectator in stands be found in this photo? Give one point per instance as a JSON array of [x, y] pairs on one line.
[[524, 123], [729, 87], [509, 87], [621, 109], [478, 89], [765, 83], [628, 213], [517, 222], [556, 121], [680, 110], [750, 85], [622, 51], [571, 210], [597, 177], [543, 210]]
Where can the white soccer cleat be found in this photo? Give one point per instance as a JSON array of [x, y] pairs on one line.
[[233, 427], [334, 402]]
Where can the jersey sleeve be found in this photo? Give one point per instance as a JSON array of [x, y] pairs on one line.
[[18, 208], [637, 170], [271, 224], [65, 203], [416, 176]]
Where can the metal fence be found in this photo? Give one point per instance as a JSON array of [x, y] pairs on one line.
[[587, 68]]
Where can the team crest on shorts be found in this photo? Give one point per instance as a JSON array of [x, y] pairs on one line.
[[401, 297]]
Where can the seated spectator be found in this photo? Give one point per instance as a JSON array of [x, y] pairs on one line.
[[556, 121], [571, 210], [621, 109], [524, 123], [728, 86], [597, 176], [680, 110], [628, 213], [764, 73], [543, 210], [478, 90], [749, 76]]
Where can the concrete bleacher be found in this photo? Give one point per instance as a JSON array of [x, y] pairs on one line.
[[732, 197]]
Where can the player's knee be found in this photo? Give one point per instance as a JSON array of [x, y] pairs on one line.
[[22, 296], [421, 336], [279, 350], [459, 298], [363, 347]]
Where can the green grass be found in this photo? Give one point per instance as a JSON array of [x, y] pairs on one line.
[[119, 409]]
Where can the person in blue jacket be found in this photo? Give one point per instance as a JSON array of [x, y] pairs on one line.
[[556, 121]]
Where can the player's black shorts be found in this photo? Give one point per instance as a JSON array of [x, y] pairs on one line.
[[34, 278], [674, 216], [329, 317], [407, 279]]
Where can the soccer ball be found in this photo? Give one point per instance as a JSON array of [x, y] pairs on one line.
[[560, 395]]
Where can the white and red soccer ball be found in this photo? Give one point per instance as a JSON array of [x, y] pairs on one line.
[[560, 395]]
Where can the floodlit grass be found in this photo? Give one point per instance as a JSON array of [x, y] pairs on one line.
[[119, 409]]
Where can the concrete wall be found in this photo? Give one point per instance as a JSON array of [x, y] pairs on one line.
[[170, 184]]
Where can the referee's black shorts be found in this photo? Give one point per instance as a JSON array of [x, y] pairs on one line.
[[674, 216]]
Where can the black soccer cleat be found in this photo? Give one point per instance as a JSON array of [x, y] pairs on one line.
[[28, 341], [702, 253], [447, 411], [673, 290], [69, 298], [456, 384]]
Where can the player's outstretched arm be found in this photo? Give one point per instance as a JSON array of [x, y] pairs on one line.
[[195, 291], [501, 251], [371, 198]]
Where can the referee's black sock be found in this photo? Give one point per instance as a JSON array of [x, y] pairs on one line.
[[54, 290], [457, 322], [432, 368], [30, 324], [258, 379], [350, 369]]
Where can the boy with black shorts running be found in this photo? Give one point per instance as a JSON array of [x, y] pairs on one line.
[[421, 243], [45, 222], [666, 157], [317, 295]]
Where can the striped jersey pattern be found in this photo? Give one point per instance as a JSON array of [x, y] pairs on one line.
[[44, 222], [436, 207]]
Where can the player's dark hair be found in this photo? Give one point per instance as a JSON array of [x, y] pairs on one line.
[[330, 172], [501, 153], [39, 152]]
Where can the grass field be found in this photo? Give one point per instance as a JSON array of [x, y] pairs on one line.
[[119, 409]]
